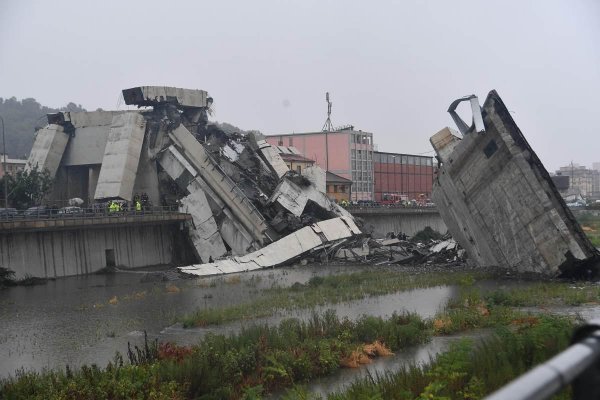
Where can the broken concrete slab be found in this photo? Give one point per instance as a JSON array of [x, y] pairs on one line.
[[289, 196], [222, 185], [272, 158], [152, 95], [294, 199], [499, 202], [282, 251], [317, 176], [204, 233], [186, 177]]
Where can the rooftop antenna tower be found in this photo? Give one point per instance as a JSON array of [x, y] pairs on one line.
[[328, 127]]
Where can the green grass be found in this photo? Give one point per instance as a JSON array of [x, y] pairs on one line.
[[258, 359], [261, 359], [545, 294], [475, 308], [591, 226], [320, 291], [468, 370]]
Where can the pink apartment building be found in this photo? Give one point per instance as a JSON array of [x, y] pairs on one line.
[[346, 152]]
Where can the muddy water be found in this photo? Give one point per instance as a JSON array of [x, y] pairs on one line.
[[84, 320], [417, 355]]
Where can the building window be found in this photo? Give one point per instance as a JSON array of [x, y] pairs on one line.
[[335, 188], [343, 188], [299, 169], [290, 141]]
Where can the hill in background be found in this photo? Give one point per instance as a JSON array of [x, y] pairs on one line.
[[20, 121]]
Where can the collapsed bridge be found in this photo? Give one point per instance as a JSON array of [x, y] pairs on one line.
[[498, 200], [237, 189]]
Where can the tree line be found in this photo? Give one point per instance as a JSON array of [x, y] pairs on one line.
[[21, 119]]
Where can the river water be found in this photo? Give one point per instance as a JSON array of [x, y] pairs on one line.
[[86, 319]]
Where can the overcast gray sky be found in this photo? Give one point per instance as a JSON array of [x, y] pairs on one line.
[[392, 68]]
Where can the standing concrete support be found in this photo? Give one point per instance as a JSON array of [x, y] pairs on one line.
[[48, 149], [121, 157]]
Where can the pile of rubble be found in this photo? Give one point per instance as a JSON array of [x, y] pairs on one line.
[[400, 250], [244, 202]]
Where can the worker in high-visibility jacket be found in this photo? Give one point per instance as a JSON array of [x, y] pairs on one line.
[[138, 206]]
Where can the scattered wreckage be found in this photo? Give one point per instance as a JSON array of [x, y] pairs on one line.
[[498, 200], [243, 199], [402, 251], [249, 211]]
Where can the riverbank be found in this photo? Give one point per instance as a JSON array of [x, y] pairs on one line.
[[266, 357]]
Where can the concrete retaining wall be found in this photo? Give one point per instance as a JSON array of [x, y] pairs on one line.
[[408, 221], [51, 254]]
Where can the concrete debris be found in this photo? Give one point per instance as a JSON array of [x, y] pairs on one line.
[[317, 176], [498, 200], [243, 199], [318, 237], [401, 251]]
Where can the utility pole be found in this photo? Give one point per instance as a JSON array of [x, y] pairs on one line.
[[4, 166], [328, 127]]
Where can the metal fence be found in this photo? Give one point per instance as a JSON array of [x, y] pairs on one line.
[[578, 365]]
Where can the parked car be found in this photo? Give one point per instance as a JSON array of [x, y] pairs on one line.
[[37, 211], [6, 213], [70, 210]]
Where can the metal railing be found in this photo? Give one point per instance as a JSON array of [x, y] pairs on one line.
[[578, 365], [81, 213]]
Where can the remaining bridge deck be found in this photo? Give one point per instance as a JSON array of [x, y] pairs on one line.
[[51, 246]]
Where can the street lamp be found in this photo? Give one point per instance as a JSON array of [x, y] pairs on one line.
[[4, 166]]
